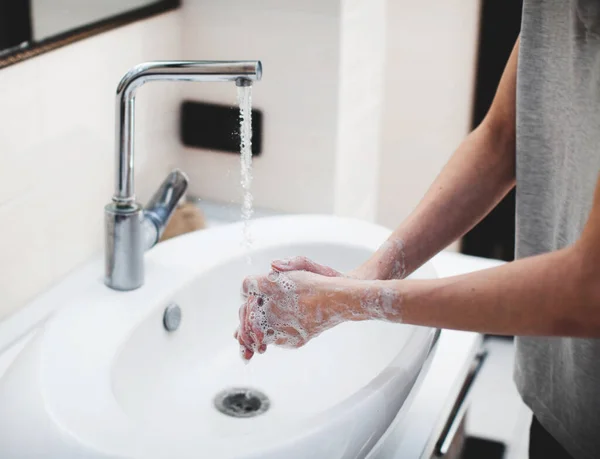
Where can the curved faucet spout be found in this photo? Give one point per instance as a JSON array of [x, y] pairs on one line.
[[205, 71], [131, 229]]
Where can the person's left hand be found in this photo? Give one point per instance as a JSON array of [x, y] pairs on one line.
[[305, 264], [289, 309]]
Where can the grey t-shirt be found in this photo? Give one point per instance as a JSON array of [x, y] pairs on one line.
[[558, 161]]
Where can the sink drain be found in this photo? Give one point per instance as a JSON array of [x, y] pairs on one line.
[[241, 402]]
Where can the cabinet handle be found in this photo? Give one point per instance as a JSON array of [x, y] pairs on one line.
[[460, 406]]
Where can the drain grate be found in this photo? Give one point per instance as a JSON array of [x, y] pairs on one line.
[[241, 402]]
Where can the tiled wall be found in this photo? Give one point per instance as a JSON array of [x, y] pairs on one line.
[[364, 100], [429, 85], [360, 108], [298, 44], [57, 150]]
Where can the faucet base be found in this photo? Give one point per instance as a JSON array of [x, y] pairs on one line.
[[124, 268]]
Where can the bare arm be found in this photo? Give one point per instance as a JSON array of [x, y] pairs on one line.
[[478, 175], [554, 294]]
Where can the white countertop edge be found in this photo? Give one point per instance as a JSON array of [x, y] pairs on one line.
[[416, 435]]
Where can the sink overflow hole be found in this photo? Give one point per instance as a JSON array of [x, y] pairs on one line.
[[241, 402], [172, 317]]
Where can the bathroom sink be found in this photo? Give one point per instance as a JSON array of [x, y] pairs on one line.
[[105, 378]]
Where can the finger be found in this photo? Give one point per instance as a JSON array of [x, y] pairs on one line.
[[246, 353], [257, 337], [273, 276], [245, 350], [291, 264], [250, 286], [244, 337], [304, 264], [253, 335], [254, 322], [248, 332], [262, 348]]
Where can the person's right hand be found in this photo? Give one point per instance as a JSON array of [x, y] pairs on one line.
[[289, 309]]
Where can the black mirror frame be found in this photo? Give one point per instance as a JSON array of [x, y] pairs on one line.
[[18, 54]]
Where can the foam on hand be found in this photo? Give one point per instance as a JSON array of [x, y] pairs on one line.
[[289, 313], [394, 258]]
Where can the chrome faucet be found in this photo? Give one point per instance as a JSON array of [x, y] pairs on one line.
[[131, 229]]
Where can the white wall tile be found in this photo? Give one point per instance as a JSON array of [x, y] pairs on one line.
[[360, 108], [298, 44], [429, 82], [19, 99], [57, 150], [364, 101]]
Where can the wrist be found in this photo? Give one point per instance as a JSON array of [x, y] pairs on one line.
[[370, 270], [360, 300], [389, 262], [383, 300], [343, 298]]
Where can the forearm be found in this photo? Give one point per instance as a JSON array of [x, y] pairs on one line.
[[477, 177], [547, 295], [479, 174]]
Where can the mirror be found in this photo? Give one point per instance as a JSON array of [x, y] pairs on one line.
[[31, 27]]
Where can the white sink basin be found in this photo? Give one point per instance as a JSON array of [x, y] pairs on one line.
[[104, 379]]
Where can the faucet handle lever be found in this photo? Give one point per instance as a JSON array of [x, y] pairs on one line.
[[161, 206]]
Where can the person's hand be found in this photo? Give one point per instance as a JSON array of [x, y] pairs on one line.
[[305, 264], [290, 308], [388, 262]]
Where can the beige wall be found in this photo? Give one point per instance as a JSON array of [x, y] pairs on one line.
[[298, 44], [429, 82], [360, 109], [57, 150], [364, 101]]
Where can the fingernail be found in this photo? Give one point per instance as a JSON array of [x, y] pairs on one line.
[[273, 276], [245, 353], [285, 262]]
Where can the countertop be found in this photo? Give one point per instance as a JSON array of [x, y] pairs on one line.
[[437, 390]]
